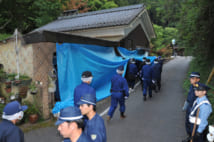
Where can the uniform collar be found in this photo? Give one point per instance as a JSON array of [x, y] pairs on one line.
[[7, 121], [201, 99], [85, 83]]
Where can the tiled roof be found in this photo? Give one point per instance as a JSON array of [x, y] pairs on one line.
[[103, 18]]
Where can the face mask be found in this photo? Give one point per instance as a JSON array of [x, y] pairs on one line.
[[21, 115]]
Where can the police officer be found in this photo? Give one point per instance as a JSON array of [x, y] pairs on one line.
[[156, 74], [95, 127], [12, 113], [84, 87], [119, 92], [194, 78], [205, 109], [142, 63], [70, 125], [131, 73], [160, 61], [147, 79]]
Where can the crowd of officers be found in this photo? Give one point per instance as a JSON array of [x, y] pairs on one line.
[[81, 123], [149, 74]]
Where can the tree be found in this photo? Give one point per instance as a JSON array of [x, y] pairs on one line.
[[80, 5], [163, 12], [27, 15], [101, 4]]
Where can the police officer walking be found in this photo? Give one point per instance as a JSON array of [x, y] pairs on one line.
[[142, 63], [71, 124], [131, 73], [204, 109], [191, 97], [84, 87], [95, 127], [156, 75], [147, 79], [12, 113], [119, 92]]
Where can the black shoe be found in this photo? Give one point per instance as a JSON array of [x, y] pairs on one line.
[[122, 116], [144, 98], [187, 139], [150, 96]]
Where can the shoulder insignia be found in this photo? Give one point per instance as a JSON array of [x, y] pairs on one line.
[[93, 137]]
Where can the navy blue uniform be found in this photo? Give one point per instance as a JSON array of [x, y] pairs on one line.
[[131, 74], [147, 79], [119, 89], [95, 129], [84, 138], [156, 74], [10, 132], [190, 99], [83, 88]]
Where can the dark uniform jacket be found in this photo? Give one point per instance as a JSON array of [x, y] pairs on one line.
[[83, 88], [10, 132], [95, 129]]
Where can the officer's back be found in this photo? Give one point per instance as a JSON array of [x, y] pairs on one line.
[[147, 71]]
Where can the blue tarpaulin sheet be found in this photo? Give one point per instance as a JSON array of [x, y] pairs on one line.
[[73, 59]]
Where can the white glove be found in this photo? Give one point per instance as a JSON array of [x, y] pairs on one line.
[[126, 97], [142, 78], [185, 106], [210, 137], [153, 81]]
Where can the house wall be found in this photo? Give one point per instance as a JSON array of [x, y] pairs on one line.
[[8, 57], [108, 33]]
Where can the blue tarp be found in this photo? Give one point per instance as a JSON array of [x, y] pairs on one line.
[[73, 59], [133, 54]]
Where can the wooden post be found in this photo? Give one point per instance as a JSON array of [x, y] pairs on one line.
[[194, 128], [210, 76]]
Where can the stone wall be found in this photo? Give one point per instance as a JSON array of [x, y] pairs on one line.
[[8, 57]]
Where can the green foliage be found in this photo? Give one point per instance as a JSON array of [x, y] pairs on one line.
[[163, 12], [27, 15], [24, 77], [45, 11], [4, 36], [95, 5], [164, 36], [32, 86], [1, 109], [32, 108], [121, 2], [196, 30]]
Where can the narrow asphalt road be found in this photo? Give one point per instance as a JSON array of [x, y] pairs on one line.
[[159, 119]]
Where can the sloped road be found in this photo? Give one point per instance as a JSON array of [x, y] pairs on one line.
[[159, 119]]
